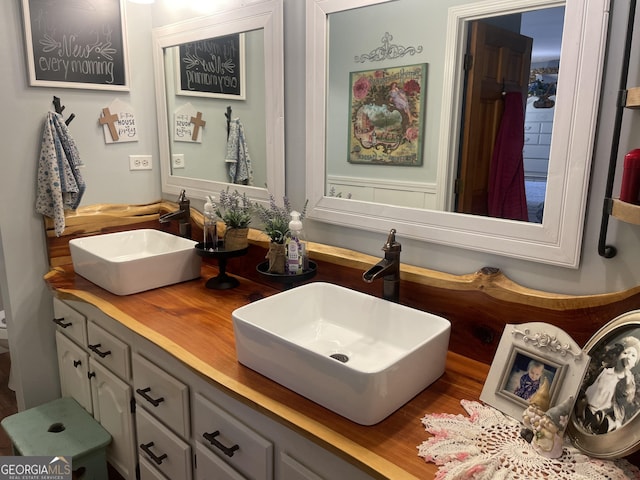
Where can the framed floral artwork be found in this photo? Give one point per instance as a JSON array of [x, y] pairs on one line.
[[387, 115], [606, 417], [530, 356]]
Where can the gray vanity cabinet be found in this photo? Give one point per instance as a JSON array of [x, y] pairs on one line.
[[94, 367], [169, 421]]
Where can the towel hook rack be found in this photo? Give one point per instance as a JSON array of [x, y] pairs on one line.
[[228, 115], [60, 108]]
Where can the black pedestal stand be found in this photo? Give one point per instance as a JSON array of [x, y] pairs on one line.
[[222, 281]]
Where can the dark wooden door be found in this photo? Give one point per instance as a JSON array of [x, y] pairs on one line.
[[498, 60]]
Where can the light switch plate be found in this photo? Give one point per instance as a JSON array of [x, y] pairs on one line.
[[140, 162]]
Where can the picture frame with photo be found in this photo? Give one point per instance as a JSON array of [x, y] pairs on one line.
[[605, 421], [528, 354]]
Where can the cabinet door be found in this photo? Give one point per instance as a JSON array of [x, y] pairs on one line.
[[112, 408], [73, 365]]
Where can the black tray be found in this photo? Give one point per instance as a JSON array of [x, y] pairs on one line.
[[288, 279]]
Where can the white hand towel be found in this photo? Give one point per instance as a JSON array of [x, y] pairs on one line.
[[60, 185]]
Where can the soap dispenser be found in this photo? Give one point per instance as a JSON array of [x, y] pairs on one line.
[[296, 246], [210, 227]]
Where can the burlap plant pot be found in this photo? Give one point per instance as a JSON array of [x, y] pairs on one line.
[[236, 238], [277, 258]]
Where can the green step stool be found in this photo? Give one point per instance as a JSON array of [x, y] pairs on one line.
[[61, 428]]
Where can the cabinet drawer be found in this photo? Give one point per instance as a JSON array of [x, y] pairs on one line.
[[539, 115], [70, 322], [291, 469], [210, 466], [163, 449], [546, 127], [109, 351], [545, 139], [536, 151], [148, 472], [161, 394], [239, 446]]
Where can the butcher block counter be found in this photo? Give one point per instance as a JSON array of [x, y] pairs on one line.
[[194, 324]]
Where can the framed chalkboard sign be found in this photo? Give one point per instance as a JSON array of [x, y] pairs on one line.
[[76, 43], [213, 67]]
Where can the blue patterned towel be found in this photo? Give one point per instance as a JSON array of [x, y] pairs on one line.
[[240, 169], [60, 185]]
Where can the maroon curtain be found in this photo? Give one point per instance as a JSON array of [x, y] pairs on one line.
[[507, 197]]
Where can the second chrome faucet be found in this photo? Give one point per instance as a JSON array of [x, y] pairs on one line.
[[388, 269]]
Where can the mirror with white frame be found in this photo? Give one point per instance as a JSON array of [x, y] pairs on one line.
[[252, 93], [557, 239]]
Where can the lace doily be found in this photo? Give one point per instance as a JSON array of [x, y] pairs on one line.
[[487, 445]]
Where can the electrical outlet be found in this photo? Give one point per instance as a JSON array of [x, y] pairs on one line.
[[177, 160], [140, 162]]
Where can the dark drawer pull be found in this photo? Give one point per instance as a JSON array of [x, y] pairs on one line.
[[90, 375], [228, 451], [146, 448], [153, 401], [96, 349], [77, 363], [60, 322]]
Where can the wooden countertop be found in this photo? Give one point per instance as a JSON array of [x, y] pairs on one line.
[[194, 324]]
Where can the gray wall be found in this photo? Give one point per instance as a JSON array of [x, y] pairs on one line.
[[23, 259]]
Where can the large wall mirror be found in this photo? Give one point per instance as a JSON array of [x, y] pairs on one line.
[[227, 71], [399, 123]]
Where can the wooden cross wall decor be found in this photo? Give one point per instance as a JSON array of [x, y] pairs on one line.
[[197, 123], [110, 119]]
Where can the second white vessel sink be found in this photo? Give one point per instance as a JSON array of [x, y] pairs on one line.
[[357, 355], [136, 260]]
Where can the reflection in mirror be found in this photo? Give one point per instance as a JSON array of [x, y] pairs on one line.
[[503, 157], [219, 92], [419, 199], [355, 164], [217, 65]]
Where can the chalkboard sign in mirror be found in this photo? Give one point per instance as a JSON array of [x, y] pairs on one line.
[[76, 44], [213, 67]]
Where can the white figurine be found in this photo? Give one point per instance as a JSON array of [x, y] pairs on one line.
[[544, 426]]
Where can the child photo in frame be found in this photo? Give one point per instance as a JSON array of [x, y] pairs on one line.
[[529, 355], [605, 418], [527, 374]]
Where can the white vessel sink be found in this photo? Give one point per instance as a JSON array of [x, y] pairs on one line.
[[383, 353], [134, 261]]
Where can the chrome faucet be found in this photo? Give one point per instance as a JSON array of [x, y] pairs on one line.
[[388, 269], [182, 215]]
